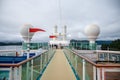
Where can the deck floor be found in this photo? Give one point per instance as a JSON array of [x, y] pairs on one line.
[[58, 68]]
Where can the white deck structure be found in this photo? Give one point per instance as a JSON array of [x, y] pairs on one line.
[[60, 39]]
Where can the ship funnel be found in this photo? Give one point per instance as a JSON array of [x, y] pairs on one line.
[[64, 32], [55, 29]]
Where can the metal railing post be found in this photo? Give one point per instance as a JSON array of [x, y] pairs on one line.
[[41, 61], [20, 72], [76, 62], [108, 56], [32, 69], [11, 74], [15, 74], [27, 71], [83, 61], [94, 73]]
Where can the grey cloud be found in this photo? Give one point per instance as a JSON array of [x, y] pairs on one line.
[[45, 14]]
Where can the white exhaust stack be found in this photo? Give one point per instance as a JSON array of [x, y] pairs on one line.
[[55, 32], [55, 29], [64, 32]]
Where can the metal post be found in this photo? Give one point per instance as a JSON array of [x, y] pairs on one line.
[[15, 74], [47, 57], [108, 56], [27, 71], [98, 55], [11, 74], [76, 45], [42, 45], [32, 69], [38, 45], [81, 46], [28, 50], [76, 62], [23, 44], [41, 61], [73, 45], [94, 73], [20, 72], [83, 69], [44, 58]]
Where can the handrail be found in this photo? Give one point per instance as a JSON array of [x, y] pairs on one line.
[[7, 50], [105, 51], [101, 51], [83, 57], [20, 63], [97, 65]]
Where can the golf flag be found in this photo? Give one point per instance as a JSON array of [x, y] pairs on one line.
[[36, 29]]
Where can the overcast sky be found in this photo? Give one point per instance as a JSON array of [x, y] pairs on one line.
[[45, 14]]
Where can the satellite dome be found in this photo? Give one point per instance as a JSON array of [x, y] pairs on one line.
[[92, 31], [27, 36]]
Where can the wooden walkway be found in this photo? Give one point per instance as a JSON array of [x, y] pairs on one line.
[[58, 68]]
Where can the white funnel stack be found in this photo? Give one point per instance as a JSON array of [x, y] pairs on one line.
[[64, 32], [60, 39], [55, 29], [55, 32]]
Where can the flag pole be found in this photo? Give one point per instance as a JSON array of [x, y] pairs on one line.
[[28, 50], [28, 45]]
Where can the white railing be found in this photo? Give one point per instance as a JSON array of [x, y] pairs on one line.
[[8, 52], [100, 55], [86, 69], [29, 69]]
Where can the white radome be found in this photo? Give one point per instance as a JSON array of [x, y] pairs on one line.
[[27, 36], [92, 31]]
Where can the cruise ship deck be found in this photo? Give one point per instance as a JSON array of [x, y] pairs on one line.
[[65, 64], [58, 68], [60, 59]]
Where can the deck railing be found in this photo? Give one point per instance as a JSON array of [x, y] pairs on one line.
[[8, 52], [108, 56], [101, 55], [30, 69], [86, 69]]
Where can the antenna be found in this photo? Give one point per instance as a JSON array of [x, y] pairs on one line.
[[60, 12]]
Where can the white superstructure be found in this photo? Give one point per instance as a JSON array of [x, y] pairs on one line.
[[60, 38]]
